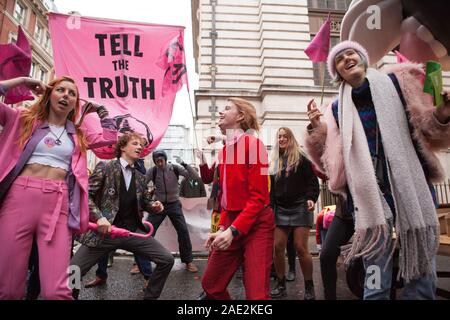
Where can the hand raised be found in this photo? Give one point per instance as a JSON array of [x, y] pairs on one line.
[[314, 114]]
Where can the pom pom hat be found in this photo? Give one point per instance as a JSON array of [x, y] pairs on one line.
[[341, 47]]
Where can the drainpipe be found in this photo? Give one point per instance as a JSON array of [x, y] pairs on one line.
[[213, 68]]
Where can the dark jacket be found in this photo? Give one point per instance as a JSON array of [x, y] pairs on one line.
[[166, 181], [301, 185], [192, 188], [104, 187]]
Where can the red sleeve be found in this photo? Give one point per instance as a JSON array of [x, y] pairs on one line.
[[319, 223], [207, 173], [257, 184]]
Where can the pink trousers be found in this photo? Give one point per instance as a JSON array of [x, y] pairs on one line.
[[35, 207]]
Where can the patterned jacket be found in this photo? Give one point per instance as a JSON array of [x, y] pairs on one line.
[[104, 186]]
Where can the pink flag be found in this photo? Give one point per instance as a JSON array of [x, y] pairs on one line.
[[133, 69], [15, 61], [317, 50]]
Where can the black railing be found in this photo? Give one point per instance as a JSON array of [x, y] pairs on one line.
[[442, 195]]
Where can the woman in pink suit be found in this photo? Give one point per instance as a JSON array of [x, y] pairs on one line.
[[43, 184]]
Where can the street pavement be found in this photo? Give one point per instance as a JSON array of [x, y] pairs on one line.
[[184, 285]]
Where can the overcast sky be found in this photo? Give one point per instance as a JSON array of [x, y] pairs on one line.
[[172, 12]]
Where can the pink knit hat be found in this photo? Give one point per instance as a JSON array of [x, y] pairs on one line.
[[340, 47]]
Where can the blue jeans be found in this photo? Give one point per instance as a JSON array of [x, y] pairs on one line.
[[423, 288], [145, 267]]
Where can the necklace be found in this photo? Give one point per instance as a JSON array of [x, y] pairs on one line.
[[58, 141]]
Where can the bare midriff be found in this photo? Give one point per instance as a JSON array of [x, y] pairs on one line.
[[43, 171]]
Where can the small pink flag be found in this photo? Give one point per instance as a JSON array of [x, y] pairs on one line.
[[15, 61], [317, 50]]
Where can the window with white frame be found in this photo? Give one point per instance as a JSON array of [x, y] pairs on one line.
[[47, 41], [33, 69], [41, 74], [20, 12], [38, 32], [12, 37]]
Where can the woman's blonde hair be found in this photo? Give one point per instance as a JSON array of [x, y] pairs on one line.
[[250, 120], [41, 110], [292, 154]]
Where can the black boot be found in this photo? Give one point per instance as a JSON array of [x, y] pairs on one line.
[[273, 274], [279, 290], [309, 290]]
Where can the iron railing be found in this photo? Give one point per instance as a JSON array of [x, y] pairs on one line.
[[442, 195]]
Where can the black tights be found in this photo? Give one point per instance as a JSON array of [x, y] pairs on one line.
[[338, 234]]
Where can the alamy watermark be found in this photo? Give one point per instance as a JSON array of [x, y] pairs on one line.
[[74, 281]]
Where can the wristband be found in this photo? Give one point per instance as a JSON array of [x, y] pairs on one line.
[[234, 231]]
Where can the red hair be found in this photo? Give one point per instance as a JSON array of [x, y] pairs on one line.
[[41, 109]]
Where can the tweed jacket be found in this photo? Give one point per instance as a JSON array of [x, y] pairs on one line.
[[104, 186]]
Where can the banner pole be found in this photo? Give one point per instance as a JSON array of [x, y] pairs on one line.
[[323, 83], [193, 122]]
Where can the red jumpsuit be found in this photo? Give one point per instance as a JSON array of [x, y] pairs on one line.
[[247, 198]]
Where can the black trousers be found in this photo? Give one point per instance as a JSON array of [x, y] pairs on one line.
[[338, 234], [149, 249], [175, 213]]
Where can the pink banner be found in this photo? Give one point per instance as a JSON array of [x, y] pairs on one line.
[[133, 69]]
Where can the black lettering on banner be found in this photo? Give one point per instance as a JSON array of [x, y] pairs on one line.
[[90, 83], [134, 81], [124, 93], [125, 45], [105, 88], [115, 44], [121, 85], [150, 88], [137, 41], [101, 43]]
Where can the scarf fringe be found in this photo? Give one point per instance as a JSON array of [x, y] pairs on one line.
[[366, 243], [417, 250]]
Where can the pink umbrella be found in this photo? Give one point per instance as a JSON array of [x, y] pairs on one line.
[[119, 232]]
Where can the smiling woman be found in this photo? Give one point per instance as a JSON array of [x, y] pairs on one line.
[[381, 128]]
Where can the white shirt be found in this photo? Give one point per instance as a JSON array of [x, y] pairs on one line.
[[127, 172], [49, 153]]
